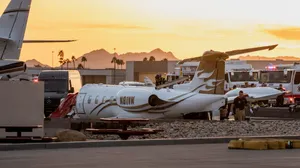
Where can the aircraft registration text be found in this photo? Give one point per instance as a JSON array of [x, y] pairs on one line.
[[127, 100]]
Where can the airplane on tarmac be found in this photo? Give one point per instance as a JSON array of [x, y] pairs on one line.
[[253, 93], [205, 93], [13, 24]]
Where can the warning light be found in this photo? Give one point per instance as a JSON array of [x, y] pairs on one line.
[[35, 80], [271, 67]]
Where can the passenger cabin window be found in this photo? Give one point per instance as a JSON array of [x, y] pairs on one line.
[[112, 99], [297, 78], [89, 100], [96, 100]]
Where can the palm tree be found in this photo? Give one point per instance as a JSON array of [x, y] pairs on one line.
[[80, 66], [73, 60], [165, 59], [67, 61], [118, 63], [61, 55], [62, 62], [122, 63], [114, 61], [152, 58], [145, 59], [83, 59]]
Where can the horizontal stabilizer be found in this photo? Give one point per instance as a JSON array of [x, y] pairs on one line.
[[48, 41], [230, 53]]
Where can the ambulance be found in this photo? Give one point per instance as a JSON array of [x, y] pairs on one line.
[[286, 74]]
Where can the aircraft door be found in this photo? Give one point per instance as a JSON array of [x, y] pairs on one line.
[[80, 103]]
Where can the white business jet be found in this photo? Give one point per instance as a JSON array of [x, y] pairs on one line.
[[202, 94], [13, 24]]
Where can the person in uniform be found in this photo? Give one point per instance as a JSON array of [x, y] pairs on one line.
[[229, 105], [280, 98], [239, 104]]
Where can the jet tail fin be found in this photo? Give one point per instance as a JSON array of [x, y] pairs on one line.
[[209, 77], [13, 24]]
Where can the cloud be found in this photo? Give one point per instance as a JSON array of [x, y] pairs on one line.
[[281, 46], [111, 26], [288, 33], [174, 36]]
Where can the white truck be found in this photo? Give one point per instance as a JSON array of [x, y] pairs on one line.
[[286, 74], [237, 72]]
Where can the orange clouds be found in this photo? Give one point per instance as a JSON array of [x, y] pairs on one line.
[[288, 33]]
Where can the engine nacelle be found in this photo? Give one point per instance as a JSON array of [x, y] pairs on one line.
[[11, 68], [137, 99]]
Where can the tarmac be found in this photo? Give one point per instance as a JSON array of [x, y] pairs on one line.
[[122, 143], [171, 156]]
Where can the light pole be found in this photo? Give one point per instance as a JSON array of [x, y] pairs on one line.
[[52, 59], [115, 66]]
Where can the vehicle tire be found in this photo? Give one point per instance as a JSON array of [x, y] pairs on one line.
[[198, 116], [124, 137]]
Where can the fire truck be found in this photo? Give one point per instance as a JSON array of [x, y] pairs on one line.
[[286, 74], [237, 72]]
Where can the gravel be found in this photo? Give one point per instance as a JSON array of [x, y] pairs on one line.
[[194, 129]]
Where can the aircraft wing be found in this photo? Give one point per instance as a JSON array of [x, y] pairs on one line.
[[256, 97], [48, 41], [40, 41], [231, 53]]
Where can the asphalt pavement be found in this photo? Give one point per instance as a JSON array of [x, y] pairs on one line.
[[177, 156]]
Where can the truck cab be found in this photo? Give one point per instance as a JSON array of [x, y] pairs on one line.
[[288, 76], [58, 84], [238, 73]]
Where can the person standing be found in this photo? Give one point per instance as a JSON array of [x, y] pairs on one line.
[[239, 104], [229, 105], [280, 98]]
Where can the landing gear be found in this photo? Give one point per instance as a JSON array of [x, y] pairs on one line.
[[199, 116]]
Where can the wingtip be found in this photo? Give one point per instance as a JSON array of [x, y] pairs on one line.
[[273, 46]]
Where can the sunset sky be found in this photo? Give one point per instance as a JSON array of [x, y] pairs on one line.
[[185, 27]]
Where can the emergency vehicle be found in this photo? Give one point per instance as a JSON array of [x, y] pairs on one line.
[[286, 74], [237, 72]]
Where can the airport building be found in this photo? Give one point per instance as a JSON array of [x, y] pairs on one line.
[[106, 76], [137, 70]]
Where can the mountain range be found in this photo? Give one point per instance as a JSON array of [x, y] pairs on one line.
[[101, 59]]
